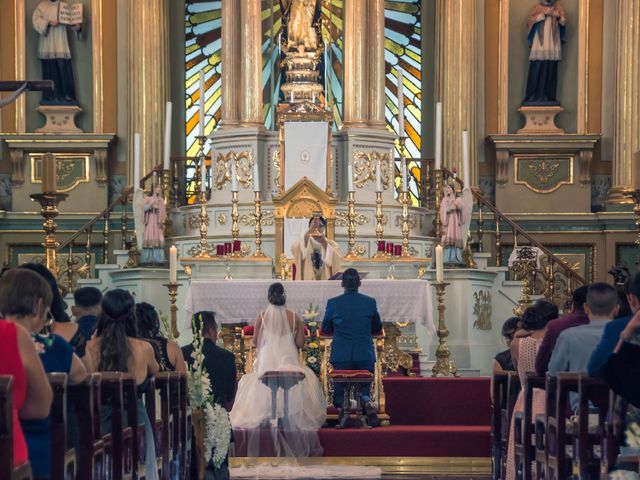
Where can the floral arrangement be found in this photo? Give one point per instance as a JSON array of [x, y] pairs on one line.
[[312, 345], [215, 437], [633, 435], [165, 328]]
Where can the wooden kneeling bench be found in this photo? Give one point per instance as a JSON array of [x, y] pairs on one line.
[[285, 380], [351, 381]]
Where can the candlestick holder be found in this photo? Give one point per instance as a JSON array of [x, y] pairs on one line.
[[167, 195], [391, 271], [203, 249], [258, 229], [635, 196], [405, 225], [202, 140], [444, 365], [235, 228], [49, 210], [437, 223], [379, 225], [351, 226], [227, 269], [173, 308], [133, 261]]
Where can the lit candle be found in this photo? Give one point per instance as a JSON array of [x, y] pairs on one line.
[[167, 135], [465, 159], [350, 177], [400, 103], [201, 80], [292, 96], [136, 160], [203, 178], [404, 174], [234, 177], [439, 264], [438, 152], [379, 177], [173, 264], [256, 177]]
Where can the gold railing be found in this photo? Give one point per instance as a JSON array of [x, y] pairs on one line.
[[545, 274], [79, 265]]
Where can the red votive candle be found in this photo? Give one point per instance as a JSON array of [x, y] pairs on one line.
[[381, 245], [236, 245], [397, 250], [227, 248], [390, 248], [220, 250]]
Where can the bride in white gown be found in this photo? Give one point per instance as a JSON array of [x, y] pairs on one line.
[[277, 335]]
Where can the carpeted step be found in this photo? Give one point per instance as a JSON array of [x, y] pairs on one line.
[[438, 401], [408, 441]]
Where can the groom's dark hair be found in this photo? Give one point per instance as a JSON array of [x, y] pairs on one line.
[[208, 320], [351, 279]]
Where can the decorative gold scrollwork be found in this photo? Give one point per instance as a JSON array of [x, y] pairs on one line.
[[482, 310], [413, 221], [194, 220], [364, 168], [244, 168], [277, 166], [342, 219], [249, 219], [222, 218]]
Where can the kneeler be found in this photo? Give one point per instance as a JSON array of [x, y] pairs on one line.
[[351, 380], [276, 380]]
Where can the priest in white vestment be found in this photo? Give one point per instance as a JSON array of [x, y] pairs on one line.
[[315, 256]]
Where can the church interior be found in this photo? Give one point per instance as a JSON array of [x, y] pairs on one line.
[[436, 203]]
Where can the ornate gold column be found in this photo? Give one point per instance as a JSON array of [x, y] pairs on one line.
[[457, 77], [376, 63], [230, 64], [627, 102], [251, 63], [355, 82], [148, 78]]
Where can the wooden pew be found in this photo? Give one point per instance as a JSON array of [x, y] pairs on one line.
[[8, 470], [162, 381], [541, 428], [524, 428], [156, 423], [90, 452], [63, 460], [586, 457], [176, 430], [500, 400], [557, 438], [138, 434], [506, 413], [185, 428]]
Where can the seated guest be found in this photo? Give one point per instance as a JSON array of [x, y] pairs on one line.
[[555, 327], [115, 348], [62, 324], [219, 363], [524, 349], [56, 355], [168, 353], [31, 391], [352, 318], [574, 345], [613, 329], [502, 362], [86, 309]]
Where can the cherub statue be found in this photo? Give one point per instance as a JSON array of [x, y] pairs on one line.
[[455, 216], [300, 31]]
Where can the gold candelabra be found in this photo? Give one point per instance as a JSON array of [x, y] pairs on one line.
[[258, 229], [166, 193], [203, 250], [202, 140], [351, 226], [173, 308], [134, 254], [49, 210], [379, 225], [235, 227], [635, 195], [438, 199], [405, 225], [444, 365]]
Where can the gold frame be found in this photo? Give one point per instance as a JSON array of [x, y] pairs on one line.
[[536, 156], [85, 179]]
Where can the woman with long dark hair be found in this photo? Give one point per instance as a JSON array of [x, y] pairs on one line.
[[115, 348], [168, 353]]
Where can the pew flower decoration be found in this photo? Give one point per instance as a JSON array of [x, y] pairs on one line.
[[312, 345], [211, 423]]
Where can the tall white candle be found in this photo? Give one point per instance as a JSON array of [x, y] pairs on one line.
[[465, 159], [379, 177], [203, 178], [400, 103], [256, 177], [438, 147], [234, 177], [350, 177], [439, 264], [136, 160], [201, 80], [326, 68], [404, 175], [167, 135], [173, 264]]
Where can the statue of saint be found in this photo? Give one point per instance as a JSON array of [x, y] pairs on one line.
[[54, 53], [300, 29], [455, 215], [546, 33], [155, 213], [314, 255]]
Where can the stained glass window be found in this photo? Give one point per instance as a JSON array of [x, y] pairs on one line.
[[332, 35]]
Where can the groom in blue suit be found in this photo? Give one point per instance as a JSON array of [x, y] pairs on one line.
[[353, 319]]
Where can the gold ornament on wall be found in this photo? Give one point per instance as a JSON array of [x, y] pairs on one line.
[[482, 310], [250, 219], [342, 219], [365, 165], [222, 218], [244, 168]]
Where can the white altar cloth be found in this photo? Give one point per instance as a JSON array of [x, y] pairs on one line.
[[235, 301]]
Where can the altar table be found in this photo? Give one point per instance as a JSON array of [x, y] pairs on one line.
[[235, 301]]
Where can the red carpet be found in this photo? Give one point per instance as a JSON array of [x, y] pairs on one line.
[[430, 417]]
